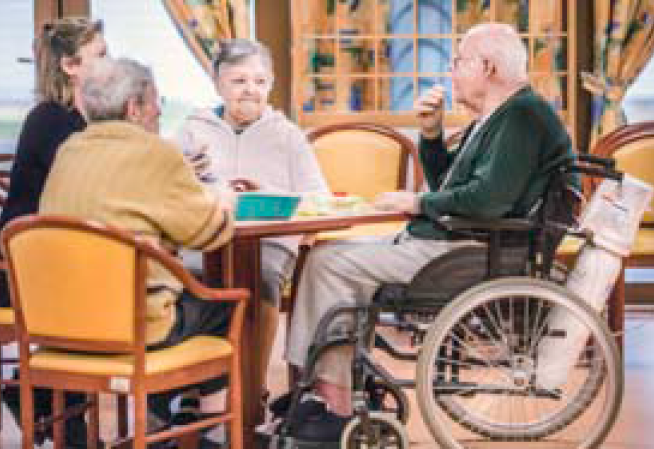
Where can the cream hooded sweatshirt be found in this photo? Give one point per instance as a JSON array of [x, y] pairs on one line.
[[272, 151]]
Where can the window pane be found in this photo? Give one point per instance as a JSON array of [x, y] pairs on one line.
[[401, 94], [144, 31], [549, 54], [434, 55], [639, 101], [321, 57], [399, 17], [396, 56], [310, 10], [362, 95], [357, 55], [434, 17], [319, 95], [16, 69]]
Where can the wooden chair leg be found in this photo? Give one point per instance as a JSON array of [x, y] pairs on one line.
[[235, 404], [27, 414], [188, 441], [59, 423], [140, 419]]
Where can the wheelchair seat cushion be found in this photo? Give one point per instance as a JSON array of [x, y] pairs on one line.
[[447, 276]]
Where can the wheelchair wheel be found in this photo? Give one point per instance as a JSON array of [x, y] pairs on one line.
[[477, 372], [388, 399], [378, 431]]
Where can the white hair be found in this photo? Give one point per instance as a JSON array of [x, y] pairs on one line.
[[501, 44], [110, 84], [233, 52]]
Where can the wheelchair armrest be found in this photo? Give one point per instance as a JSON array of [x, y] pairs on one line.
[[453, 223]]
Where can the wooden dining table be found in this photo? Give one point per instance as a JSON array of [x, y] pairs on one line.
[[238, 264]]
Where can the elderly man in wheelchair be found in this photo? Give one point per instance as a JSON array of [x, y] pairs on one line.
[[485, 283]]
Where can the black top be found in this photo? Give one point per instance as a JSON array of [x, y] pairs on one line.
[[44, 129]]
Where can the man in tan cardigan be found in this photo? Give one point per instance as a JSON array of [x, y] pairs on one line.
[[120, 172]]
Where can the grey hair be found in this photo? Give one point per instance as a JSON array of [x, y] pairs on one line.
[[234, 51], [109, 86], [502, 46]]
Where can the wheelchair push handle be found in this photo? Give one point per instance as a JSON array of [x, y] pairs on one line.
[[608, 173], [605, 162], [603, 167]]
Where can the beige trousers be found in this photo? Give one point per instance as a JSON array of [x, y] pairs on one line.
[[348, 272]]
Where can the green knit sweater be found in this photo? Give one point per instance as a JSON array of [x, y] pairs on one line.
[[503, 170]]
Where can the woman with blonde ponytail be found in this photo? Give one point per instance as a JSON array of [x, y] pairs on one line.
[[64, 51]]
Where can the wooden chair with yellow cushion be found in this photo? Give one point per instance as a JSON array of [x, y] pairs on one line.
[[79, 292], [366, 159], [632, 147], [363, 159]]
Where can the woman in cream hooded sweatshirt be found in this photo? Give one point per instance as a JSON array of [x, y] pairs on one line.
[[244, 144]]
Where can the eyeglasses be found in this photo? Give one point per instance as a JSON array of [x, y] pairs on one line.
[[457, 60]]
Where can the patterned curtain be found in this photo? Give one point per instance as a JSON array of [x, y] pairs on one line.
[[202, 23], [624, 43]]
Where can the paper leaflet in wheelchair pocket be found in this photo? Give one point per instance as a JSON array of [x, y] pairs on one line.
[[612, 217], [614, 213]]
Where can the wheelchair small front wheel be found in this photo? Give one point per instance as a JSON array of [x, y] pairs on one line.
[[388, 399], [375, 431], [482, 369]]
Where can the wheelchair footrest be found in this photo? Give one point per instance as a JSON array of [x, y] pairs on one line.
[[272, 441]]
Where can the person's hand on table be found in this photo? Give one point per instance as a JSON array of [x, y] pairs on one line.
[[408, 202], [244, 185]]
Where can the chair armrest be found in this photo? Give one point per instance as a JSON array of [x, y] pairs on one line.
[[453, 223], [239, 296]]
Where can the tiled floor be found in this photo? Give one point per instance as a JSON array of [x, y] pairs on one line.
[[634, 429]]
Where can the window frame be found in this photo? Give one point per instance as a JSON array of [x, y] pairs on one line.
[[453, 119]]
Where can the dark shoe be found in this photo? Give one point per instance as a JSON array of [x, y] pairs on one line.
[[279, 407], [189, 412], [159, 405], [325, 427], [75, 426], [309, 405]]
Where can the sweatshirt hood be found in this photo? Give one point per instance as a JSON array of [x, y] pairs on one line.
[[208, 116]]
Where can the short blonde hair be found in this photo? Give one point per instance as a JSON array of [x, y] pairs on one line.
[[59, 39]]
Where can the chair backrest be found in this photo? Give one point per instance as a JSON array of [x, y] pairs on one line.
[[366, 159], [632, 147], [77, 285], [5, 172]]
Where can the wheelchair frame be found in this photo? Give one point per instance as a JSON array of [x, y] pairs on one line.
[[383, 427]]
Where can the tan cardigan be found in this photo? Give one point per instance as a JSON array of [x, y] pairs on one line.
[[117, 173]]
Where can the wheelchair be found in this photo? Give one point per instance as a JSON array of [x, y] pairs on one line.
[[479, 316]]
